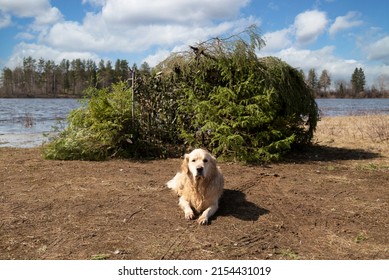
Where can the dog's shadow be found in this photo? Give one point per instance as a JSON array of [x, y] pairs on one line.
[[234, 203]]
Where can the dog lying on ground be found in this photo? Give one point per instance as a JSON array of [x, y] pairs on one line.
[[199, 185]]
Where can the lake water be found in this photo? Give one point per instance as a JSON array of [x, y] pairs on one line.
[[24, 121], [342, 107]]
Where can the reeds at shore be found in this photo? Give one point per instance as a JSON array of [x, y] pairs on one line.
[[356, 132]]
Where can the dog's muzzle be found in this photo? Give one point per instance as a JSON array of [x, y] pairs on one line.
[[199, 171]]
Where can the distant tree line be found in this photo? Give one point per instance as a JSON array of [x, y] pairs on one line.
[[45, 78], [354, 88]]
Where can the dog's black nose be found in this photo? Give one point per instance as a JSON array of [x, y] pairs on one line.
[[200, 170]]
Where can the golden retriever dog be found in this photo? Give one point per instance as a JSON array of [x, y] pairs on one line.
[[199, 185]]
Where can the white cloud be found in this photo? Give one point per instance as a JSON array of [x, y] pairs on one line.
[[325, 59], [71, 36], [40, 10], [379, 50], [321, 59], [345, 22], [289, 44], [25, 8], [307, 59], [5, 20], [161, 54], [95, 2], [130, 27], [50, 16], [155, 12], [97, 34], [157, 57], [37, 51], [309, 26], [381, 79], [273, 6], [278, 39], [24, 36]]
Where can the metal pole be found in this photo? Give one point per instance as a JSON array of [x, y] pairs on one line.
[[132, 95]]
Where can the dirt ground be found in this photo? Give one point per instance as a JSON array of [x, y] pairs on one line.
[[327, 202]]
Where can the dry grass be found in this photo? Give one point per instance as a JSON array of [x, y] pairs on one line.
[[355, 132]]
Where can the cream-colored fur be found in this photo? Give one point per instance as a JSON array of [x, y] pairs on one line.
[[199, 185]]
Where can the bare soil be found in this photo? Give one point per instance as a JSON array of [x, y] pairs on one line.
[[329, 201]]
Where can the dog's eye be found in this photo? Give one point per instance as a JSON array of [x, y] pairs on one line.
[[193, 160], [205, 160]]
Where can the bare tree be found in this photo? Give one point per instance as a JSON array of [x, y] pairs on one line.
[[324, 80]]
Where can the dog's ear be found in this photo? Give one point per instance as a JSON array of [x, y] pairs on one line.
[[213, 159], [212, 164], [184, 165]]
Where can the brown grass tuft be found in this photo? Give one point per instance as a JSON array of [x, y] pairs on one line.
[[357, 132]]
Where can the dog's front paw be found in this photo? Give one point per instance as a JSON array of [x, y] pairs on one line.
[[189, 215], [202, 220]]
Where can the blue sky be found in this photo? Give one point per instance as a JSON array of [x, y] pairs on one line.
[[336, 35]]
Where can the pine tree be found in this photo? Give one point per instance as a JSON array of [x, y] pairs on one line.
[[358, 80], [312, 79], [237, 105], [341, 88]]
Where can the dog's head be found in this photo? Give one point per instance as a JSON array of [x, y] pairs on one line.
[[199, 163]]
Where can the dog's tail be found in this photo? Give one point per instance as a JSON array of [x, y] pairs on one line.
[[171, 184], [175, 183]]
